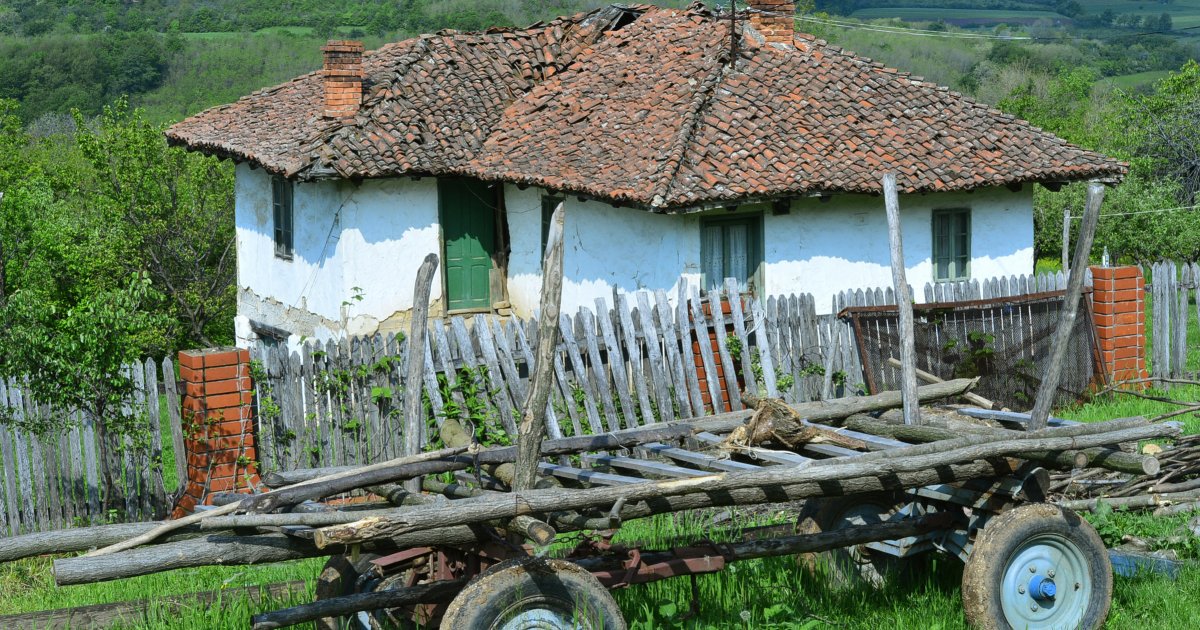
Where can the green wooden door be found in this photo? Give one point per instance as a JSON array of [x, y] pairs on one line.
[[468, 214]]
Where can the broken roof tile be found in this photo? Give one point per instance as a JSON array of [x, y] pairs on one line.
[[640, 105]]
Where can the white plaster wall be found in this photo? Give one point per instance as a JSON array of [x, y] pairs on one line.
[[826, 247], [384, 228], [604, 247], [371, 235]]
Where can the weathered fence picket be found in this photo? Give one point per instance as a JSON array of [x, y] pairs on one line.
[[51, 474], [1173, 286]]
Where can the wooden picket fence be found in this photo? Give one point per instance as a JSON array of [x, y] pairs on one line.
[[52, 478], [1171, 287], [635, 359]]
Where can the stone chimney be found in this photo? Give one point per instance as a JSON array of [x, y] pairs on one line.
[[773, 19], [343, 74]]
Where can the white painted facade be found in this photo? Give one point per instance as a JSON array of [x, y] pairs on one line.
[[368, 239]]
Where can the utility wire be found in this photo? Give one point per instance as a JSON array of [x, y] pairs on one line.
[[917, 32], [1126, 214]]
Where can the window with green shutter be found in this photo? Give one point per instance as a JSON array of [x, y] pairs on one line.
[[951, 244], [730, 248], [281, 206]]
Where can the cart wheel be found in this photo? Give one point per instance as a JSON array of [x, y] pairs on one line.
[[528, 593], [849, 566], [1037, 566], [342, 576]]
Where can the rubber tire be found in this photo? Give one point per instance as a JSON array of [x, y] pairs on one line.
[[1004, 536], [848, 567], [529, 583]]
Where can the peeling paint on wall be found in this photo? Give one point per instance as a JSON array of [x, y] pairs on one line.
[[357, 248]]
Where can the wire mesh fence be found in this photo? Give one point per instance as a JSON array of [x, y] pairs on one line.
[[1003, 341]]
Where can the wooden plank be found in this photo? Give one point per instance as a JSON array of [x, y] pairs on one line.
[[566, 329], [40, 472], [145, 455], [778, 345], [360, 398], [643, 466], [157, 489], [1180, 317], [687, 357], [806, 321], [487, 348], [730, 373], [650, 336], [349, 436], [75, 497], [763, 344], [616, 364], [707, 462], [129, 482], [445, 363], [633, 356], [53, 474], [527, 351], [21, 446], [706, 354], [174, 421], [787, 458], [586, 476], [12, 499], [91, 465], [5, 487], [664, 315], [429, 377], [585, 325], [564, 385], [65, 481], [739, 330]]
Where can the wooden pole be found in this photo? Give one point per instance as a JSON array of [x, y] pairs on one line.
[[908, 351], [1066, 240], [414, 417], [533, 417], [1052, 373], [885, 464]]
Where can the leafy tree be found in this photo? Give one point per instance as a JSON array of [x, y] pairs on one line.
[[176, 210], [75, 355]]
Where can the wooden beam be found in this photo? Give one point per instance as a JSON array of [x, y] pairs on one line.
[[1052, 372], [533, 416], [414, 416], [908, 352]]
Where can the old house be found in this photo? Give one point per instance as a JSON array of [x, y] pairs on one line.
[[684, 155]]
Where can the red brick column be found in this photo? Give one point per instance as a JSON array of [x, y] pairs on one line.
[[1119, 312], [218, 425]]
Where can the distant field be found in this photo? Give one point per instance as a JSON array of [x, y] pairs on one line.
[[960, 17], [1132, 81]]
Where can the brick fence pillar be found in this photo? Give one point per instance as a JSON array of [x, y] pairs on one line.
[[1119, 312], [218, 425]]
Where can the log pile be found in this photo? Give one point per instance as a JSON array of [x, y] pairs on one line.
[[1171, 488]]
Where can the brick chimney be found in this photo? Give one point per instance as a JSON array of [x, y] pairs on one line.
[[773, 19], [343, 74]]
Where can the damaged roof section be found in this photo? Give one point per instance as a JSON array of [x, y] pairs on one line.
[[642, 106]]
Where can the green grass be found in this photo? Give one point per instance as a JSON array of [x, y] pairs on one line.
[[1137, 80], [28, 585]]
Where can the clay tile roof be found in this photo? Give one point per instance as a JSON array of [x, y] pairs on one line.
[[641, 106]]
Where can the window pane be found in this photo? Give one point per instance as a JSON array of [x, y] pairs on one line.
[[712, 250], [737, 259]]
